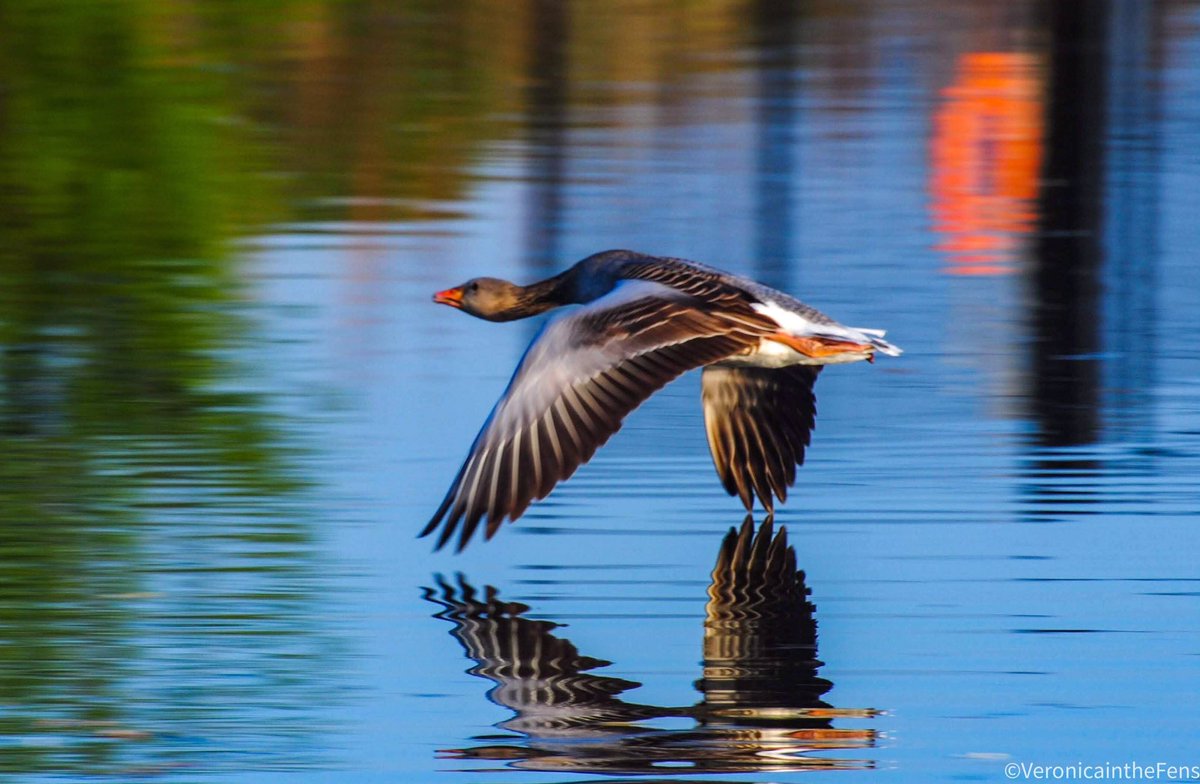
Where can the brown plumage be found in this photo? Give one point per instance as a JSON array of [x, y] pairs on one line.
[[759, 421], [646, 320]]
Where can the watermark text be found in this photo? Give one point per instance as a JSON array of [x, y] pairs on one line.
[[1105, 771]]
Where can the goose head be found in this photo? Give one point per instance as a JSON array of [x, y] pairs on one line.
[[499, 300]]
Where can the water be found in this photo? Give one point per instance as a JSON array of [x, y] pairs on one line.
[[228, 404]]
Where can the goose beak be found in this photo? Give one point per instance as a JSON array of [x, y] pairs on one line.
[[451, 297]]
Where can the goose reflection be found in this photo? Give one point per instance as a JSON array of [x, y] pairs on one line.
[[761, 709]]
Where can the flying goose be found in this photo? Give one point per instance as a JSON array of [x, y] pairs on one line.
[[645, 320]]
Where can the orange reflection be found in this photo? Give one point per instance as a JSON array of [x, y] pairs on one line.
[[986, 155]]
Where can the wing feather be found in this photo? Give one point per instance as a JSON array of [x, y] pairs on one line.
[[759, 422], [581, 376]]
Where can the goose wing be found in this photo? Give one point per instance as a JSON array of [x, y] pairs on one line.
[[583, 373], [759, 421]]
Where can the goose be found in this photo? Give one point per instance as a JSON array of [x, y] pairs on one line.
[[644, 321]]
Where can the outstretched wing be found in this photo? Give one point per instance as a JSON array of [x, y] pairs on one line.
[[759, 422], [583, 373]]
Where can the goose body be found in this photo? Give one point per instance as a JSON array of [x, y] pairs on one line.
[[644, 321]]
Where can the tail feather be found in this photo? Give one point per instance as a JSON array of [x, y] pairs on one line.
[[875, 338]]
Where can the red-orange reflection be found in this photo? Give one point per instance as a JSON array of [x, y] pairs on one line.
[[986, 153]]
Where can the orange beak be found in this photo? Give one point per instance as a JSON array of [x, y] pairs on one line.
[[451, 297]]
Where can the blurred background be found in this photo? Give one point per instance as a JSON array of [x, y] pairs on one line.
[[227, 404]]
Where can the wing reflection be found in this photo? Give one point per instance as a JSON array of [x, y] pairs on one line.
[[539, 676], [760, 636], [761, 706]]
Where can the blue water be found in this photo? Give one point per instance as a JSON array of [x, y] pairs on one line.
[[998, 529]]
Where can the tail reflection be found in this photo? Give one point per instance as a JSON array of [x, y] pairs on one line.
[[761, 706]]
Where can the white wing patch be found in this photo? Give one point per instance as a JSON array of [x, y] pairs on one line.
[[797, 325], [793, 323]]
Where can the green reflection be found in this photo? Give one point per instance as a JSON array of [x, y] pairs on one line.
[[128, 447], [157, 582]]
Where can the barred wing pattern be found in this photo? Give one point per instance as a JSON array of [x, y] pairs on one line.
[[755, 577], [578, 380], [760, 633], [759, 422], [540, 676], [714, 287]]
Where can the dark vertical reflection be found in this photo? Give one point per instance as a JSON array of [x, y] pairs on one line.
[[547, 131], [761, 708], [1133, 216], [776, 29], [1094, 320], [1066, 274], [1068, 257]]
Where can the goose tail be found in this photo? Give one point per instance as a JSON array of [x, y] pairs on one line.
[[875, 338]]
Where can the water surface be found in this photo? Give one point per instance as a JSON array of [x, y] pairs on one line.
[[228, 404]]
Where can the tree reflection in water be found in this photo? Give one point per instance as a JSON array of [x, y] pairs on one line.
[[149, 503], [761, 707]]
